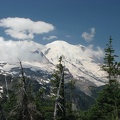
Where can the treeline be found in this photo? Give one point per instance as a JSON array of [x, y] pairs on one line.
[[24, 103]]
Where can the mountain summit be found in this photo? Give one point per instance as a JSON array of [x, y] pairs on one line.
[[81, 61]]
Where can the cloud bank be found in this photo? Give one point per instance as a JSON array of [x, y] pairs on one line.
[[22, 28], [88, 36], [11, 51]]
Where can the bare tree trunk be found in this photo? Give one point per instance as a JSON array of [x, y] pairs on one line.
[[25, 110]]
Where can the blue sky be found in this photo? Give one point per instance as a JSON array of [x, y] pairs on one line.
[[75, 21]]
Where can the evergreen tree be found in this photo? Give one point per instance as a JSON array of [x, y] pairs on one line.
[[59, 108], [110, 65], [107, 105]]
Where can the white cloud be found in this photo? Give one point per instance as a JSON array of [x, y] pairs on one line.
[[11, 51], [96, 53], [22, 28], [50, 37], [88, 36]]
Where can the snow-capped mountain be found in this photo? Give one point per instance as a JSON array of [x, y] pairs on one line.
[[81, 63]]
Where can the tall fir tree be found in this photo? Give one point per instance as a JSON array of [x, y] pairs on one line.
[[107, 105], [110, 64], [59, 108]]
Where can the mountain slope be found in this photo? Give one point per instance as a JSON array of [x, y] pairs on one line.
[[82, 63]]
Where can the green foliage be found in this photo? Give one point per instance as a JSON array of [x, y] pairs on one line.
[[110, 64], [107, 104], [10, 105], [45, 105]]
